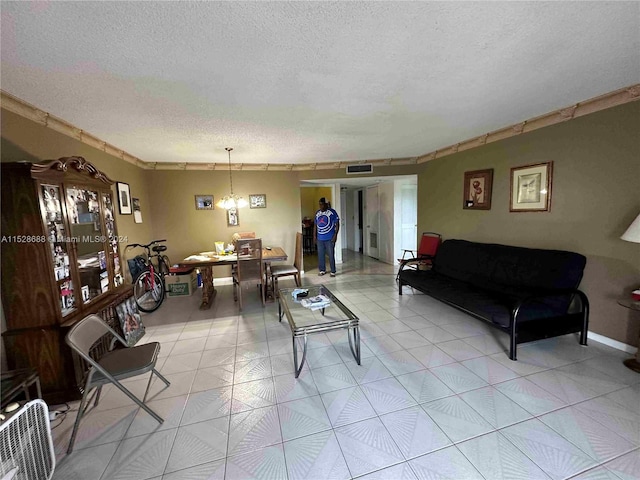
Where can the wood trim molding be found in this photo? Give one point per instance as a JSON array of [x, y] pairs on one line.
[[602, 102], [608, 100]]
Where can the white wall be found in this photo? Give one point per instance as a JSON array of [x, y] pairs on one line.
[[386, 202]]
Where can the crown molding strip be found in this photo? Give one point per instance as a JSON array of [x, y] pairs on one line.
[[608, 100]]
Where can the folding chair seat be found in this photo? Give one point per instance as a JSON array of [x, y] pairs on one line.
[[110, 367], [429, 243]]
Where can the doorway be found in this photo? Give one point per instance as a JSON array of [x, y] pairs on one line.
[[372, 216]]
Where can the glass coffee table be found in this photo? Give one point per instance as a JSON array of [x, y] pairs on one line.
[[304, 321]]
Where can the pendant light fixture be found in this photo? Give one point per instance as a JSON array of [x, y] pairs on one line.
[[231, 201]]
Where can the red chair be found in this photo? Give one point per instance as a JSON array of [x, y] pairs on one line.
[[429, 244]]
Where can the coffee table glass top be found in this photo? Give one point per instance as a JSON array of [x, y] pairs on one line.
[[301, 319]]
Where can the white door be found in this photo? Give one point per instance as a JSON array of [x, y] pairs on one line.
[[408, 217], [372, 218]]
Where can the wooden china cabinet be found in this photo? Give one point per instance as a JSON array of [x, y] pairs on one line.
[[60, 262]]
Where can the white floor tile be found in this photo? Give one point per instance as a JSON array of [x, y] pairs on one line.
[[316, 456], [367, 446]]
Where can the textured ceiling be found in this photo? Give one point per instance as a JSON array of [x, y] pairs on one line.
[[307, 82]]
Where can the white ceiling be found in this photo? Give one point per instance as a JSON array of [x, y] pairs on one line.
[[299, 82]]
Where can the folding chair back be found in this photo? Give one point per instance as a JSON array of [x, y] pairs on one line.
[[86, 333]]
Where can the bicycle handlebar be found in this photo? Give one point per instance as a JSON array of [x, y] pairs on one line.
[[132, 245]]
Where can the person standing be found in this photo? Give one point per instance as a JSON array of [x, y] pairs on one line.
[[325, 234]]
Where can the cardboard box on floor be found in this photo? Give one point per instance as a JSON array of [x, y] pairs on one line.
[[181, 285]]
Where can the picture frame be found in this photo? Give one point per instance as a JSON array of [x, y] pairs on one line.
[[232, 217], [530, 189], [124, 198], [204, 202], [137, 211], [258, 200], [478, 186]]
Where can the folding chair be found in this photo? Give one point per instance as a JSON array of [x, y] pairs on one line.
[[249, 267], [113, 366], [278, 271], [427, 249]]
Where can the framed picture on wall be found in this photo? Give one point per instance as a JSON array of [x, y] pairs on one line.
[[124, 198], [531, 188], [477, 189], [204, 202], [232, 218], [258, 200], [137, 211]]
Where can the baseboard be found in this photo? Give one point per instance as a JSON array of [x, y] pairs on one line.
[[610, 342]]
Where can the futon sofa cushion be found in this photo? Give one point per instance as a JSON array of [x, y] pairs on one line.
[[504, 284]]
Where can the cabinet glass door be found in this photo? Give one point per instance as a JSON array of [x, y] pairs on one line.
[[83, 210], [112, 238], [58, 238]]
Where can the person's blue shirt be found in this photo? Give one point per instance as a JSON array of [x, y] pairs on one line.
[[326, 224]]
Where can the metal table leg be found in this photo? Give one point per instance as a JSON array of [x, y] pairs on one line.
[[295, 355], [355, 343]]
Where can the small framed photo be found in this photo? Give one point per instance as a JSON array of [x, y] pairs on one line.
[[137, 211], [124, 198], [258, 200], [477, 189], [204, 202], [232, 217], [531, 188]]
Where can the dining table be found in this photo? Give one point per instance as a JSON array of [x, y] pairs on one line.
[[205, 261]]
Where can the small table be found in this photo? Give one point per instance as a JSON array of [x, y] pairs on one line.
[[18, 381], [632, 363], [304, 321], [207, 260]]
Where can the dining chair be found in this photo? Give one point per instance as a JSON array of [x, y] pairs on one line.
[[429, 243], [278, 271], [249, 267], [110, 367]]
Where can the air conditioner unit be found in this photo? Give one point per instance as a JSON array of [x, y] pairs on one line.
[[359, 168], [26, 447]]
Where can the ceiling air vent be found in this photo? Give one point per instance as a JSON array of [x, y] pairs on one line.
[[356, 169]]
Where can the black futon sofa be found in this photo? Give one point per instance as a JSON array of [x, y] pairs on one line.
[[528, 293]]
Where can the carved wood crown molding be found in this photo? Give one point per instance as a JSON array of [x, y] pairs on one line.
[[565, 114], [79, 164]]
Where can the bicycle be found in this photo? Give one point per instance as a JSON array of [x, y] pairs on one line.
[[148, 285]]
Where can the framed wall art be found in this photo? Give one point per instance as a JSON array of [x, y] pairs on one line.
[[477, 189], [204, 202], [232, 217], [531, 188], [124, 198], [258, 200], [137, 211]]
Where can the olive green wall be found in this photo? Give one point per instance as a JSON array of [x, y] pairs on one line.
[[309, 197], [25, 140], [595, 196], [189, 231]]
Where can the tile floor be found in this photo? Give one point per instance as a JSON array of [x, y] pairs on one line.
[[435, 397]]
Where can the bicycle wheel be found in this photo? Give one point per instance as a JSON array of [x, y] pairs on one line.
[[164, 266], [148, 291]]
